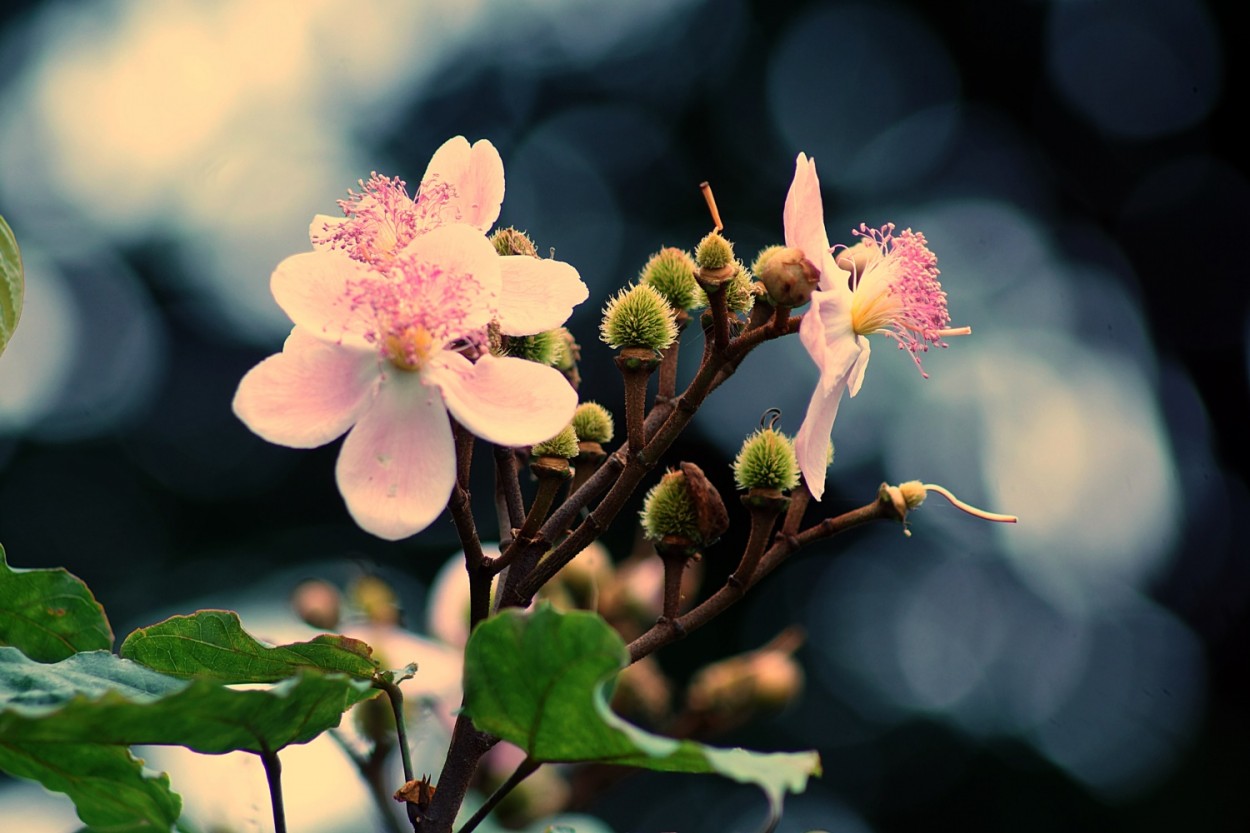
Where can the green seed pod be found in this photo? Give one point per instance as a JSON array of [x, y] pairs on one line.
[[593, 423], [671, 272], [684, 505], [767, 461], [740, 292], [667, 510], [714, 252], [567, 354], [543, 348], [638, 316], [563, 445], [510, 241]]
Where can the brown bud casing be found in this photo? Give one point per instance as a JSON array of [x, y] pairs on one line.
[[789, 278]]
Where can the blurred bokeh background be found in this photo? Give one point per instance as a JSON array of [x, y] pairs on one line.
[[1075, 165]]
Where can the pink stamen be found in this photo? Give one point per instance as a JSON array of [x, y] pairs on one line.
[[911, 306], [413, 298], [382, 218]]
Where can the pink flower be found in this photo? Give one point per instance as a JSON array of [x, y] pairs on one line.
[[885, 284], [390, 310], [462, 184]]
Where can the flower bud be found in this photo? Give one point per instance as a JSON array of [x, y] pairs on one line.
[[543, 348], [563, 444], [740, 292], [317, 603], [787, 275], [684, 506], [643, 692], [729, 692], [375, 598], [593, 423], [579, 581], [671, 272], [567, 354], [767, 461], [714, 252], [510, 241], [856, 259], [639, 317]]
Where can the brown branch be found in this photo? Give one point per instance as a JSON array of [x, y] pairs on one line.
[[507, 494], [468, 745], [666, 632]]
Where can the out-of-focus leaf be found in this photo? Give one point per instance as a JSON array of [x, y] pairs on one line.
[[541, 680], [108, 785], [96, 697], [12, 283], [49, 614], [212, 644]]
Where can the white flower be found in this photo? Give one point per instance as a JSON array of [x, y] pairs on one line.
[[885, 284], [390, 314]]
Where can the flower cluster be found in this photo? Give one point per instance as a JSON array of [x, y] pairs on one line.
[[391, 310]]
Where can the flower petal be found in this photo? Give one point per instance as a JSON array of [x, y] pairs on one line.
[[811, 443], [312, 289], [309, 393], [804, 221], [537, 294], [508, 401], [827, 334], [461, 251], [397, 466], [475, 175], [856, 377]]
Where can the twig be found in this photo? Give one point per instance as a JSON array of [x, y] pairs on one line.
[[527, 768], [508, 490], [664, 632], [625, 468], [396, 698], [273, 774], [468, 745], [371, 771]]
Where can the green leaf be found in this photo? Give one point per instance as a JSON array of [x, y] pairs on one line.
[[49, 614], [12, 283], [541, 680], [96, 697], [212, 644], [108, 785]]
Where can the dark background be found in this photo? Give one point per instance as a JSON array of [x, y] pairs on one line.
[[181, 499]]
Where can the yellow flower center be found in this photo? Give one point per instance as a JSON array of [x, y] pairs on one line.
[[409, 349], [873, 306]]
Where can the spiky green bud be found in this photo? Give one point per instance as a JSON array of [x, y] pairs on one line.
[[740, 291], [593, 423], [670, 272], [714, 252], [510, 241], [668, 509], [544, 348], [767, 461], [684, 505], [563, 445], [638, 316], [761, 259]]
